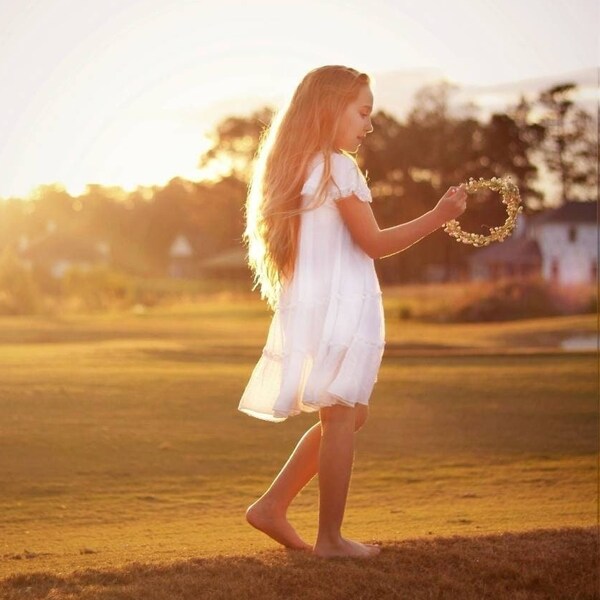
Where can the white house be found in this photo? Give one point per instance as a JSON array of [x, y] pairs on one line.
[[181, 257], [561, 244], [568, 241]]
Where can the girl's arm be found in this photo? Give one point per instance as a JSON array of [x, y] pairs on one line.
[[378, 243]]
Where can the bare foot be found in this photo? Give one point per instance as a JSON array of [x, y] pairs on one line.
[[266, 518], [344, 547]]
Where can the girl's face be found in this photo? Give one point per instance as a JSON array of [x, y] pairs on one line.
[[356, 121]]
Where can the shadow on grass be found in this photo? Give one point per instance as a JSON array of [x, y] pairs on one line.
[[539, 564]]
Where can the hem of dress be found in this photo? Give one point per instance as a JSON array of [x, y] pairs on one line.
[[306, 407], [276, 417], [335, 400]]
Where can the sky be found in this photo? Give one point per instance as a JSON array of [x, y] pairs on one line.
[[117, 92]]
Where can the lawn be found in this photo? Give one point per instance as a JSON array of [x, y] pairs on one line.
[[121, 443]]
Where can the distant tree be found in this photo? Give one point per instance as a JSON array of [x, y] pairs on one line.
[[130, 242], [441, 153], [14, 220], [441, 146], [221, 212], [53, 206], [166, 217], [570, 145], [524, 149], [235, 141], [19, 293], [100, 210]]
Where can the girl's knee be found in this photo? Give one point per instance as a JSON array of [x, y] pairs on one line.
[[362, 412], [344, 416], [336, 415]]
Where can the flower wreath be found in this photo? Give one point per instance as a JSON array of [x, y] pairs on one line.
[[510, 196]]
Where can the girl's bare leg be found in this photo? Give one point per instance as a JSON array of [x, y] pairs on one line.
[[335, 467], [268, 513]]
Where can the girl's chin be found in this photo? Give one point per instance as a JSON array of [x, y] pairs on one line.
[[351, 148]]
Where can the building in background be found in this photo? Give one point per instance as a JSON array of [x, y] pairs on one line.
[[183, 256], [559, 244], [56, 252]]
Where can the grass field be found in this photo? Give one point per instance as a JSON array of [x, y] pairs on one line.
[[121, 443]]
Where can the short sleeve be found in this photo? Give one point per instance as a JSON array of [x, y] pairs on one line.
[[347, 179]]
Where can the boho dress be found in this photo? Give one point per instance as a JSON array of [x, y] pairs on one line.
[[327, 335]]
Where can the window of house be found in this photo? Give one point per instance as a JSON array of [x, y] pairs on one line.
[[572, 234]]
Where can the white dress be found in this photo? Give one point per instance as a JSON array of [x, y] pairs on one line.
[[327, 336]]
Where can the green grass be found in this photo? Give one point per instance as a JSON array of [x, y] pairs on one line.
[[120, 440]]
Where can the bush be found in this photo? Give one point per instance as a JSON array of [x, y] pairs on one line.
[[107, 288], [98, 288], [510, 299], [163, 291], [19, 294], [574, 299]]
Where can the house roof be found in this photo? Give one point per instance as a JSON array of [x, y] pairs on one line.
[[181, 246], [517, 250], [200, 242], [571, 211], [193, 238]]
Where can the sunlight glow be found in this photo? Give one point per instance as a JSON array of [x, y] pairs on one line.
[[124, 93]]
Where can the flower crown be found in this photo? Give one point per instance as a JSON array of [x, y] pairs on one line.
[[510, 196]]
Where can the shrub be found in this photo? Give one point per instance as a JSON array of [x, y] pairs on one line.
[[98, 288], [19, 294], [509, 299], [574, 299]]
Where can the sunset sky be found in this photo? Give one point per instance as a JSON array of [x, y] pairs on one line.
[[117, 92]]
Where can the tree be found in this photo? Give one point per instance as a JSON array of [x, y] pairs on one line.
[[235, 142], [446, 149], [19, 294], [53, 209], [523, 151], [14, 221], [569, 147]]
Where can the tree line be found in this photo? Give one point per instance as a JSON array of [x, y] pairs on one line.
[[409, 164]]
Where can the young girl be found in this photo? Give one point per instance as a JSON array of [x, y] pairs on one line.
[[312, 239]]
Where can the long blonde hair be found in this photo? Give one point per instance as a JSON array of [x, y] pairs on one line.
[[308, 123]]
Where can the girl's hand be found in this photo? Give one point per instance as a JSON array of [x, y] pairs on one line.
[[452, 204]]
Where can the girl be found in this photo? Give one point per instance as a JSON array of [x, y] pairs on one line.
[[312, 239]]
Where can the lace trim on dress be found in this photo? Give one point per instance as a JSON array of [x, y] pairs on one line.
[[326, 300], [364, 341], [347, 180]]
